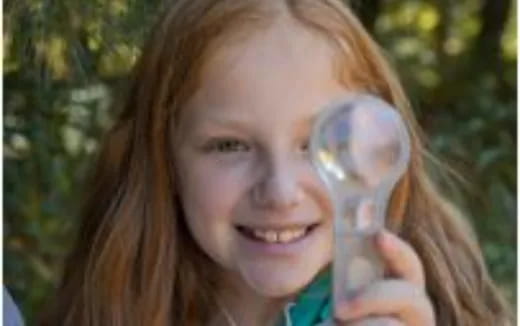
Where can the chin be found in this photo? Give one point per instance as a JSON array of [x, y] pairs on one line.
[[272, 282]]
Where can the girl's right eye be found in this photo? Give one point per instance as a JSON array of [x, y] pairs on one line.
[[227, 145]]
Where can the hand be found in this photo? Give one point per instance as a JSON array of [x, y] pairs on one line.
[[399, 300]]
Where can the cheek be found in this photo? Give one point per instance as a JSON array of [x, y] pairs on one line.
[[210, 194], [210, 191], [318, 193]]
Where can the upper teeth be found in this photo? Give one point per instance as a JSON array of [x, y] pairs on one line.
[[284, 236]]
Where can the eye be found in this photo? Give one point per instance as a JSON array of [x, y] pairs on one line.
[[228, 145]]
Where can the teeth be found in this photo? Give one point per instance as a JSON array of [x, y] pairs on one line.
[[272, 236], [286, 236], [259, 234]]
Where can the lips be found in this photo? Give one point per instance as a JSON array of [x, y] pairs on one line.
[[276, 235]]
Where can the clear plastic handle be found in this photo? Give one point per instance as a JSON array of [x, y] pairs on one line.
[[361, 148]]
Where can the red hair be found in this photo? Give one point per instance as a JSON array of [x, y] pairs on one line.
[[135, 263]]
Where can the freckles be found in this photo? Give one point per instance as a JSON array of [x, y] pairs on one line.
[[213, 188], [233, 175], [318, 192], [221, 180]]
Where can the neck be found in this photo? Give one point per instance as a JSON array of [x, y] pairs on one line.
[[246, 307]]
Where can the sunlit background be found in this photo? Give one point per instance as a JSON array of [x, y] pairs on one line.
[[66, 62]]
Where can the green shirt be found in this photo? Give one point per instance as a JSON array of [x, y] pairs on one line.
[[313, 305]]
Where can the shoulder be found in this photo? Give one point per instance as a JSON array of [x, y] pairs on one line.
[[12, 316]]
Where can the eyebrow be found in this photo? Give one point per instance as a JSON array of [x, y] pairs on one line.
[[246, 125], [238, 125]]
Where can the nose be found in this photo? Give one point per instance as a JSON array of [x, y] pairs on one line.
[[279, 187]]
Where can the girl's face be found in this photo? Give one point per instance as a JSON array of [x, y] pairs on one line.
[[251, 198]]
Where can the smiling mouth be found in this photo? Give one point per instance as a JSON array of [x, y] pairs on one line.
[[276, 236]]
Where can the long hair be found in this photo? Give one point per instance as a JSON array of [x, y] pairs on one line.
[[134, 261]]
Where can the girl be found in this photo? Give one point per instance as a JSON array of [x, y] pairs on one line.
[[204, 207]]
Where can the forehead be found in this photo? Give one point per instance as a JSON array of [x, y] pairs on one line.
[[285, 71]]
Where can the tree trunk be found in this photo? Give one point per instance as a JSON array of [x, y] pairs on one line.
[[367, 11], [494, 15]]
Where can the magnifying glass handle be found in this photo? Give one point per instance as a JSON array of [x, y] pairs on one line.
[[357, 263]]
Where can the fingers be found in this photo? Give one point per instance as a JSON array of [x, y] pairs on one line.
[[371, 321], [376, 321], [400, 258], [400, 299]]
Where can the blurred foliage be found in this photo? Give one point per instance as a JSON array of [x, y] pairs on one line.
[[65, 61]]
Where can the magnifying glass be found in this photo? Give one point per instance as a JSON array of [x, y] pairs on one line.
[[360, 148]]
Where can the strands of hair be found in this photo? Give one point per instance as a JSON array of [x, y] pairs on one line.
[[134, 262]]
